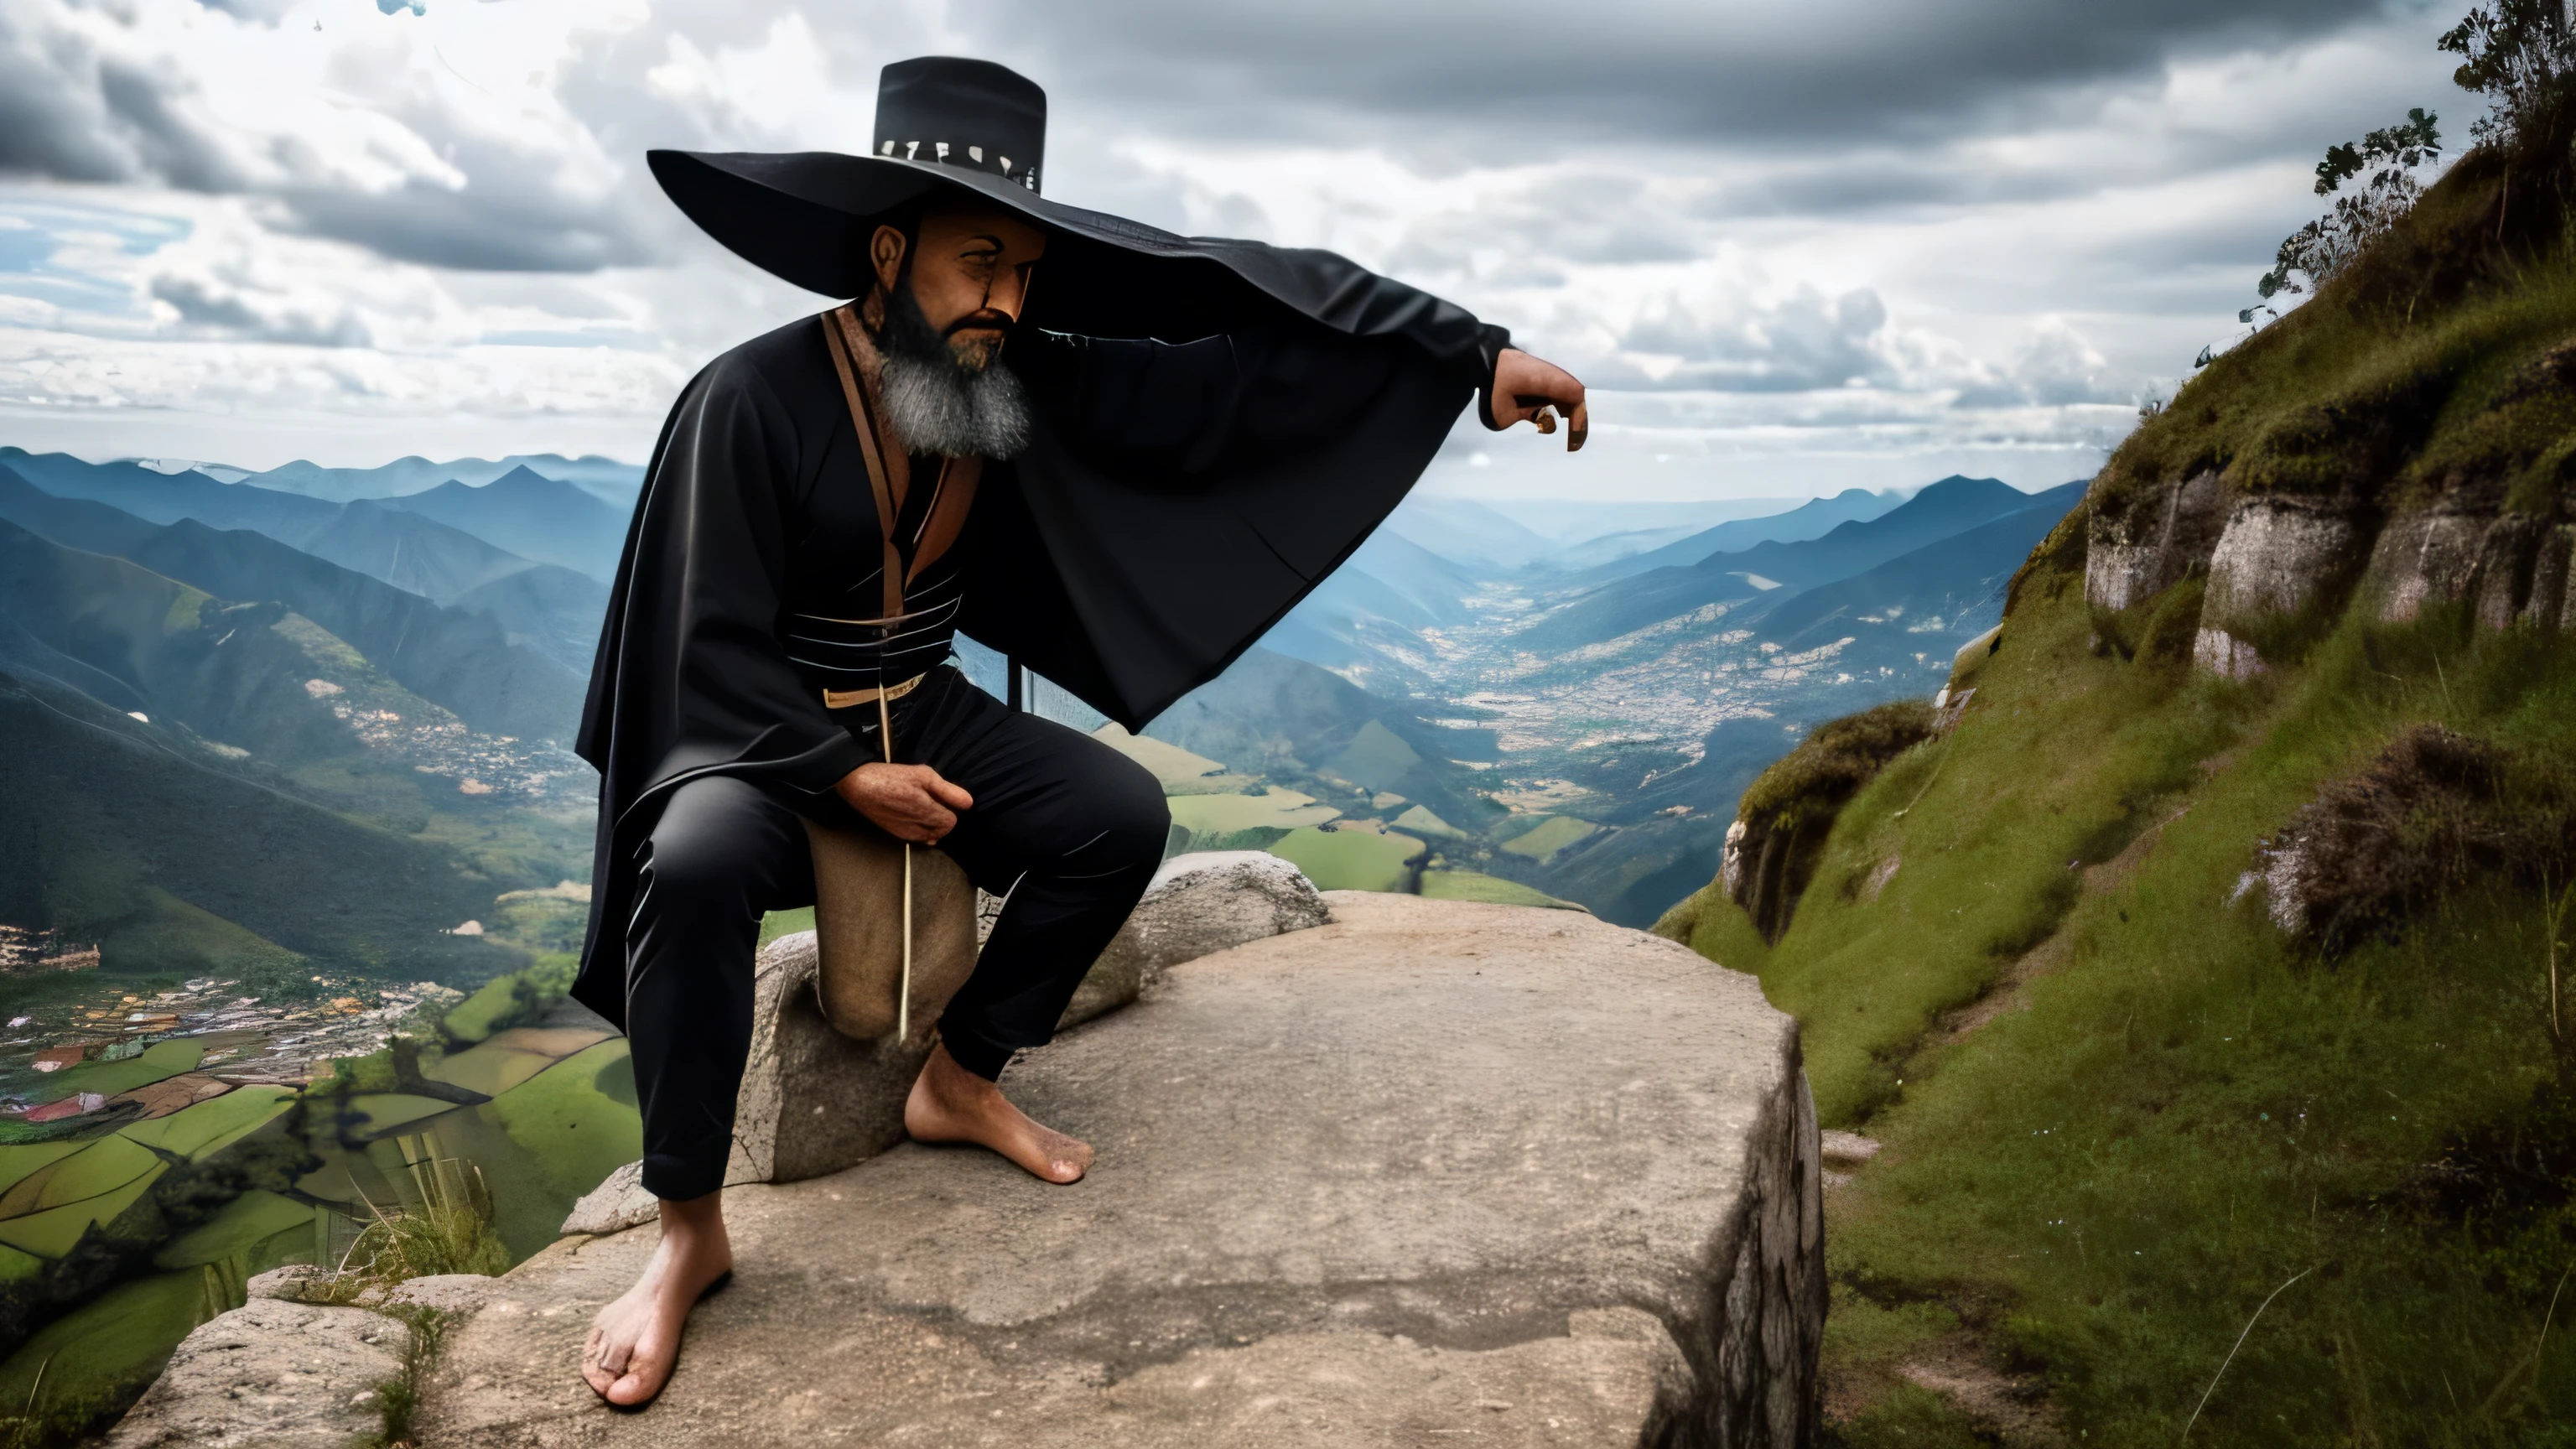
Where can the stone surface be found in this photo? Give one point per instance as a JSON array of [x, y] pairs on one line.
[[2507, 560], [2278, 557], [2421, 559], [1198, 904], [287, 1283], [454, 1293], [618, 1203], [2549, 604], [1436, 1171], [2215, 651], [2151, 541], [269, 1375], [814, 1101], [1848, 1149]]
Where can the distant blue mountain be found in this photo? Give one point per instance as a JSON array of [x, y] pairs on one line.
[[1950, 506], [531, 515], [473, 663], [1811, 519], [1465, 531], [409, 550], [168, 497], [606, 478], [1932, 598]]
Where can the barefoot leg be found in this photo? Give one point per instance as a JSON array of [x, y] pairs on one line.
[[951, 1104], [635, 1341]]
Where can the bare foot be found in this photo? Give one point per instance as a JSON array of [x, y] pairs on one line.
[[951, 1104], [635, 1341]]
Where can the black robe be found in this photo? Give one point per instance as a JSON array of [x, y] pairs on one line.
[[1175, 501]]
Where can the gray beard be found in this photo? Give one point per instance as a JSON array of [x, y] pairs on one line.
[[938, 405]]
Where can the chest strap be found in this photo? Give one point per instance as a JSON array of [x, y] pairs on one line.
[[952, 493]]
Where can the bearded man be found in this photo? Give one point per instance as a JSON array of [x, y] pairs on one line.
[[991, 441]]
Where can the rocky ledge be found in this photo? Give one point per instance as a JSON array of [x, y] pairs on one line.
[[1434, 1168]]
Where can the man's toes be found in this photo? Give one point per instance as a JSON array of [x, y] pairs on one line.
[[641, 1382]]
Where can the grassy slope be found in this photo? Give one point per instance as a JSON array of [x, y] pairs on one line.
[[2175, 1112], [2119, 1109]]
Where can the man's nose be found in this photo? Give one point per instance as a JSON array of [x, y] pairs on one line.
[[1005, 293]]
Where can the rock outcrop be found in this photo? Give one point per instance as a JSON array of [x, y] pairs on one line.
[[1198, 904], [814, 1101], [2421, 559], [2283, 558], [2276, 560], [2149, 542], [1436, 1168], [272, 1374]]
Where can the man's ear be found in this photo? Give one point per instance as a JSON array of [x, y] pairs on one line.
[[885, 253]]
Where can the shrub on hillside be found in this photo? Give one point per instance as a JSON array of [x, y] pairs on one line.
[[2392, 155], [2519, 53], [2430, 813], [1789, 810]]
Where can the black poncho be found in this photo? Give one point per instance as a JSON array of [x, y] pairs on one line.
[[1176, 500]]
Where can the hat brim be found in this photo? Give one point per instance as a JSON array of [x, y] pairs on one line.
[[806, 217]]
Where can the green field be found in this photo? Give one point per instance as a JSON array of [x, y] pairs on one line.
[[1549, 836], [1226, 814], [1421, 821], [1468, 885], [1176, 769], [1376, 757], [1351, 860]]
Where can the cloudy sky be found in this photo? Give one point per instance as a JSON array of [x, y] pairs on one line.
[[1792, 248]]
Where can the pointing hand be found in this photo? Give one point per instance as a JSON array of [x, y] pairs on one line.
[[1525, 388]]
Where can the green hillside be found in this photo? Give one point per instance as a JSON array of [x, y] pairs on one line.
[[2206, 977], [110, 834]]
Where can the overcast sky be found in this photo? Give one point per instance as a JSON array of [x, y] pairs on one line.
[[1792, 248]]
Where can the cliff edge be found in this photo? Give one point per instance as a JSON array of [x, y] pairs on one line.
[[1435, 1167]]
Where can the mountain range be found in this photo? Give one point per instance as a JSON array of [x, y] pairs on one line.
[[197, 783], [451, 544], [466, 662], [1642, 697], [611, 481], [1807, 520], [1627, 679], [1747, 572]]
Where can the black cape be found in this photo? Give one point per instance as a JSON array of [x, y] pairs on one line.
[[1175, 501]]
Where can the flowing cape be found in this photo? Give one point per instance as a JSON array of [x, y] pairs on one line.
[[1176, 499]]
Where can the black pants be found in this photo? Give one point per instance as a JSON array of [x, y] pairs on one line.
[[1067, 827]]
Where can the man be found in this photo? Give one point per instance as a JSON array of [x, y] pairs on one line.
[[966, 448]]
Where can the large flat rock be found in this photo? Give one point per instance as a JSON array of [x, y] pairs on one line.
[[1436, 1170], [270, 1375]]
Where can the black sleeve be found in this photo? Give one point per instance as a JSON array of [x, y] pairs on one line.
[[1177, 410], [700, 672], [1138, 403]]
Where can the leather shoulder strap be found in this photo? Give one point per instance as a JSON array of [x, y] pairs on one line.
[[837, 326], [952, 497]]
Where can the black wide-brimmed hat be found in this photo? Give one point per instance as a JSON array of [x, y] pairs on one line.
[[979, 129]]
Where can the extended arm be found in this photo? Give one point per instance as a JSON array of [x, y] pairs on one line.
[[1176, 406]]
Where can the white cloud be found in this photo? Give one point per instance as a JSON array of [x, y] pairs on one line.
[[1789, 251]]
